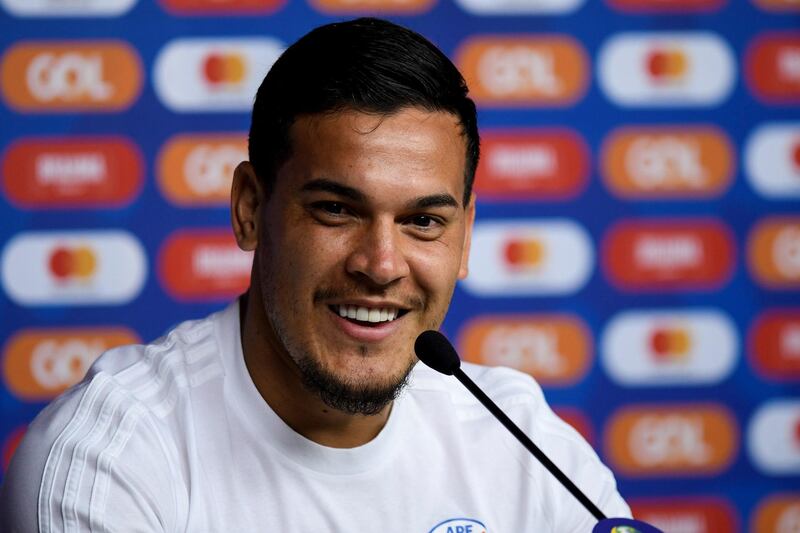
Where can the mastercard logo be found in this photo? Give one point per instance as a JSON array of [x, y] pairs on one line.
[[554, 349], [529, 257], [57, 8], [519, 7], [578, 420], [221, 7], [676, 347], [772, 160], [774, 344], [666, 6], [40, 364], [73, 268], [773, 252], [524, 71], [666, 69], [668, 255], [10, 445], [104, 76], [215, 75], [667, 162], [203, 265], [685, 440], [777, 512], [400, 7], [700, 514], [72, 172], [773, 437], [772, 67], [197, 170], [546, 164]]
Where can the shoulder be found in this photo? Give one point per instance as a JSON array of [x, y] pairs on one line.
[[113, 429]]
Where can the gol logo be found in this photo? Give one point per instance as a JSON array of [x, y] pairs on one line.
[[772, 160], [203, 265], [374, 6], [221, 7], [666, 6], [555, 349], [578, 420], [39, 364], [666, 69], [773, 437], [657, 255], [524, 71], [772, 67], [529, 257], [71, 76], [198, 169], [774, 252], [698, 439], [11, 444], [774, 346], [779, 513], [682, 347], [530, 164], [81, 172], [667, 162], [699, 514]]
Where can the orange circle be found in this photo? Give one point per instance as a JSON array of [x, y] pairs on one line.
[[234, 68], [84, 262]]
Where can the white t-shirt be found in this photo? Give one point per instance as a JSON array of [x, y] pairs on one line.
[[174, 436]]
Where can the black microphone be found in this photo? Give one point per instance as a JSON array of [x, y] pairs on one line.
[[435, 350]]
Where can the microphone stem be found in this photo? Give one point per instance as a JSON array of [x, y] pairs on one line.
[[525, 441]]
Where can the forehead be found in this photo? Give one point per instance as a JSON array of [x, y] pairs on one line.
[[412, 150]]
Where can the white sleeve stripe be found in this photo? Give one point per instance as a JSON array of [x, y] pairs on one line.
[[103, 436], [54, 458]]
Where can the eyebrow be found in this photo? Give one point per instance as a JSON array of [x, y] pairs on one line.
[[422, 202]]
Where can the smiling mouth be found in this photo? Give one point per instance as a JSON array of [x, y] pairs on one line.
[[368, 316]]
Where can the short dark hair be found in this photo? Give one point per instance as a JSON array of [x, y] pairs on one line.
[[368, 65]]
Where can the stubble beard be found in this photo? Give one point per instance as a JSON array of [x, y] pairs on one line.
[[348, 396]]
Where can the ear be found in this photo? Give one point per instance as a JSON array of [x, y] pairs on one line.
[[463, 270], [247, 195]]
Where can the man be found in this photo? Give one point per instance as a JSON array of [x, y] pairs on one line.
[[297, 409]]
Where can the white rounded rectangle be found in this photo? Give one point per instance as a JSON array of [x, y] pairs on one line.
[[666, 69], [519, 7], [67, 8], [772, 437], [73, 268], [772, 160], [221, 75], [529, 257], [674, 347]]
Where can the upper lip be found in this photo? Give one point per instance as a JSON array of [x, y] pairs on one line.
[[375, 304]]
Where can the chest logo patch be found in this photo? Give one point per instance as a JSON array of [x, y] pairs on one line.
[[459, 525]]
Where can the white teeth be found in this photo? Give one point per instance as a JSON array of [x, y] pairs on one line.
[[366, 314]]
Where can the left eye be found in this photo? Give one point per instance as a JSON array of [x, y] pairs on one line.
[[422, 221]]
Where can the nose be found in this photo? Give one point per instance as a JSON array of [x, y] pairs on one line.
[[378, 255]]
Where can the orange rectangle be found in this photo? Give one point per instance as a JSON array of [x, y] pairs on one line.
[[222, 7], [526, 164], [772, 252], [772, 67], [774, 345], [524, 71], [698, 514], [72, 172], [668, 254]]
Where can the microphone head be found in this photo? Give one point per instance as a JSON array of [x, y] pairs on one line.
[[435, 350]]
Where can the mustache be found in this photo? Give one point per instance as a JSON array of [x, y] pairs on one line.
[[413, 302]]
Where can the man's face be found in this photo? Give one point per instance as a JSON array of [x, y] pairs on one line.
[[360, 245]]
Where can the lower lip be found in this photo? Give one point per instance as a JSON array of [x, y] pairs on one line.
[[361, 333]]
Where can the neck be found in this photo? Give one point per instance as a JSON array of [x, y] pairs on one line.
[[280, 384]]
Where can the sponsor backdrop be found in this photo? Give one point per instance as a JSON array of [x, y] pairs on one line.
[[637, 247]]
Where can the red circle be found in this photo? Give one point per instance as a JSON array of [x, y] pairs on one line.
[[657, 63], [61, 262], [796, 153], [214, 68], [515, 253], [660, 342]]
